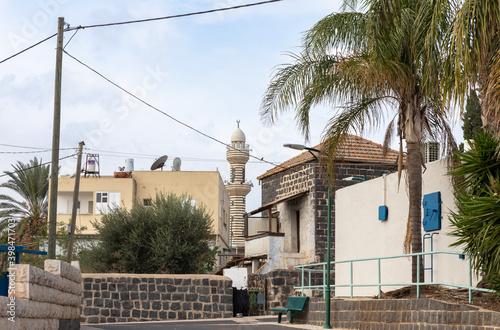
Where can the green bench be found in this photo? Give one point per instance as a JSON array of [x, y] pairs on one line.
[[293, 304]]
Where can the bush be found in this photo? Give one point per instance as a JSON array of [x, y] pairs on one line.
[[477, 221], [170, 236]]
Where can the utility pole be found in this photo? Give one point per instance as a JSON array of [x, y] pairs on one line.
[[69, 256], [55, 143]]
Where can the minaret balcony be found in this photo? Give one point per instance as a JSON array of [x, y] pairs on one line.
[[237, 156], [238, 189]]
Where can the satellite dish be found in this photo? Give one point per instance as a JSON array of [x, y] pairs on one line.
[[159, 163], [177, 164]]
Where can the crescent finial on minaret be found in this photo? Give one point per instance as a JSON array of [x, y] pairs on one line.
[[238, 123]]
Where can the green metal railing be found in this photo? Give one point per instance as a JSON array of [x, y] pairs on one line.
[[321, 267]]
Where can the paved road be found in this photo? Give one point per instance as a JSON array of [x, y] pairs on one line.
[[245, 323]]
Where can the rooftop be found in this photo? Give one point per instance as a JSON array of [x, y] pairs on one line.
[[354, 149]]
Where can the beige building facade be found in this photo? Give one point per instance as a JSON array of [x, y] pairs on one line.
[[98, 194]]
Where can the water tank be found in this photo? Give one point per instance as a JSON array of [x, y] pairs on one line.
[[91, 165], [129, 165]]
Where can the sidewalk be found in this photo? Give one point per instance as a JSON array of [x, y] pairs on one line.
[[243, 323]]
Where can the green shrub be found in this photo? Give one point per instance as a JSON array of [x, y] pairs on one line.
[[170, 236], [477, 221]]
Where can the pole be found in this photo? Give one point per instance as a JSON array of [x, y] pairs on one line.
[[328, 264], [69, 256], [55, 143]]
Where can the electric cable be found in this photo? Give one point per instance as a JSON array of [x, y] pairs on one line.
[[29, 168], [174, 16], [166, 114], [34, 45], [139, 21], [25, 152], [142, 156], [36, 148], [70, 39]]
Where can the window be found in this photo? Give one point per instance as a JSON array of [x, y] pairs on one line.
[[91, 207], [147, 202], [105, 200], [101, 197]]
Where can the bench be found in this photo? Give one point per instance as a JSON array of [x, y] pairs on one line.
[[293, 304]]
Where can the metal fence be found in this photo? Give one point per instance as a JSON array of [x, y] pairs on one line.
[[321, 267]]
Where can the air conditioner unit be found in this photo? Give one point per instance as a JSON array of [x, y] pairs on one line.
[[430, 151]]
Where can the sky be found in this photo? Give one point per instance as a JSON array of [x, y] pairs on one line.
[[207, 71]]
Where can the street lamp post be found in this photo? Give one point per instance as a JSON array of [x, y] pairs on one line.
[[328, 238]]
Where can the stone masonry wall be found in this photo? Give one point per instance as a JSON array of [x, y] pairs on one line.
[[109, 298], [42, 299], [398, 314], [279, 286], [311, 177]]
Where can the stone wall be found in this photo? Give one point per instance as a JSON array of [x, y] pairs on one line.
[[311, 177], [42, 299], [398, 314], [109, 298], [277, 286]]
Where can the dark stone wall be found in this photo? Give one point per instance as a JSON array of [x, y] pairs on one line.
[[109, 298], [399, 314], [310, 176], [277, 285]]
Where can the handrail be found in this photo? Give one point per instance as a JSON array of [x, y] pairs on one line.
[[380, 284]]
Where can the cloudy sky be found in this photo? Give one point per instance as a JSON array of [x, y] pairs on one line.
[[207, 71]]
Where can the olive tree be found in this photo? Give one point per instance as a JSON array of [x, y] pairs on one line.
[[170, 236]]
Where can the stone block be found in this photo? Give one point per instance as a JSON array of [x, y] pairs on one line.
[[42, 310], [28, 323], [32, 291], [59, 267], [27, 273]]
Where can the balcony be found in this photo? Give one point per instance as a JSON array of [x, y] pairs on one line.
[[264, 244]]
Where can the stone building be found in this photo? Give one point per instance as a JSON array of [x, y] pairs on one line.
[[295, 193], [294, 202]]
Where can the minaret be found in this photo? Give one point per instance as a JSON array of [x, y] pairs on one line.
[[237, 186]]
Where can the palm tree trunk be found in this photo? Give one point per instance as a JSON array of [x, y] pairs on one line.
[[414, 159]]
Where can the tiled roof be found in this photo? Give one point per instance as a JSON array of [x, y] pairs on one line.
[[354, 149]]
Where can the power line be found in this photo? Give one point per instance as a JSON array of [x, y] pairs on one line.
[[22, 51], [144, 156], [36, 148], [174, 16], [29, 168], [139, 21], [164, 113], [16, 146], [25, 152]]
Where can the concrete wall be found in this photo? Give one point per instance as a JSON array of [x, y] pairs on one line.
[[359, 233], [42, 299], [109, 298]]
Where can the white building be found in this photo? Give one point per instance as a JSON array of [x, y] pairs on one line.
[[360, 234]]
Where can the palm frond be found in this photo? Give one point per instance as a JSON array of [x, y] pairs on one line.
[[344, 31]]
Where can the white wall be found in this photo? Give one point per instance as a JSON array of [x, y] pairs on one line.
[[359, 233], [239, 276]]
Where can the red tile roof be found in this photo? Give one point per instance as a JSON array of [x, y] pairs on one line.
[[354, 149]]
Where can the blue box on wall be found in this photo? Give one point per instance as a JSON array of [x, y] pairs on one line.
[[432, 211], [382, 212]]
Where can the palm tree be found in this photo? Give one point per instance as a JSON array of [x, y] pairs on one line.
[[474, 56], [31, 182], [381, 63]]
